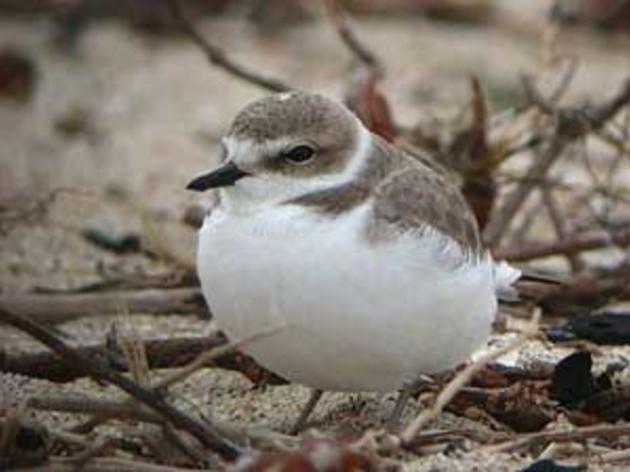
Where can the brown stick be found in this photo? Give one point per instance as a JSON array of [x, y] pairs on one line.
[[461, 379], [498, 226], [58, 308], [204, 432], [108, 464], [95, 406], [560, 226], [219, 58], [570, 124], [122, 410], [584, 242], [359, 50], [161, 354], [578, 434]]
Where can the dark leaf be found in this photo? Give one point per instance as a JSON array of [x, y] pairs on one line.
[[120, 244], [602, 327], [368, 102], [572, 379], [547, 465]]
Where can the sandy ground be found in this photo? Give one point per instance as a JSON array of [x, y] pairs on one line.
[[155, 111]]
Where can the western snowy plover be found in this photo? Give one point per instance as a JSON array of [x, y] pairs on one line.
[[371, 258]]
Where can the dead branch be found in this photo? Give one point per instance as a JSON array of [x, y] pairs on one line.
[[85, 405], [204, 432], [348, 36], [108, 464], [161, 354], [364, 96], [127, 411], [460, 380], [589, 289], [479, 186], [219, 58], [95, 449], [210, 357], [58, 308], [560, 226], [578, 434], [213, 356], [571, 245], [570, 123], [498, 225]]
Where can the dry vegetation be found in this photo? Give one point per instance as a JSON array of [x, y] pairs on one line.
[[120, 386]]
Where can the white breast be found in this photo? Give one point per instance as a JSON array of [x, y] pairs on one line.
[[359, 317]]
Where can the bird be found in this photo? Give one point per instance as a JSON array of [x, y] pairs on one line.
[[370, 258]]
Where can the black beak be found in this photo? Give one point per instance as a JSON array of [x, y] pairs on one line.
[[221, 177]]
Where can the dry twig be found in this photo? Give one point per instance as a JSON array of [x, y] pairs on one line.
[[127, 411], [161, 354], [461, 379], [569, 125], [108, 464], [348, 36], [204, 432], [571, 245], [58, 308], [211, 356], [578, 434], [219, 58], [560, 226]]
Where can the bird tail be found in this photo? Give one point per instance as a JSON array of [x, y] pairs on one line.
[[506, 279]]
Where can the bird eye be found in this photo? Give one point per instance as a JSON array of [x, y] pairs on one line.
[[299, 154]]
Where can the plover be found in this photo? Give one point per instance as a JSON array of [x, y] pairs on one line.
[[370, 257]]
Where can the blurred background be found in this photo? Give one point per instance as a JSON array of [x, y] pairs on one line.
[[107, 109]]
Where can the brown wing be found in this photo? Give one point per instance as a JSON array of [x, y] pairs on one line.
[[416, 197]]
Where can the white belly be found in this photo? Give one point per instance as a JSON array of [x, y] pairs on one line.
[[358, 317]]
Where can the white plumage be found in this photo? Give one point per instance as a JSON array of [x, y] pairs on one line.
[[358, 316]]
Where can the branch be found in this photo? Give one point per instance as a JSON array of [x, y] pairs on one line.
[[570, 124], [588, 290], [461, 379], [560, 226], [578, 434], [499, 224], [572, 245], [108, 464], [58, 308], [121, 410], [219, 58], [161, 354], [226, 355], [359, 50], [204, 432]]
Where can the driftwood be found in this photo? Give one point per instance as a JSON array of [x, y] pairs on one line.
[[161, 354], [58, 308]]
